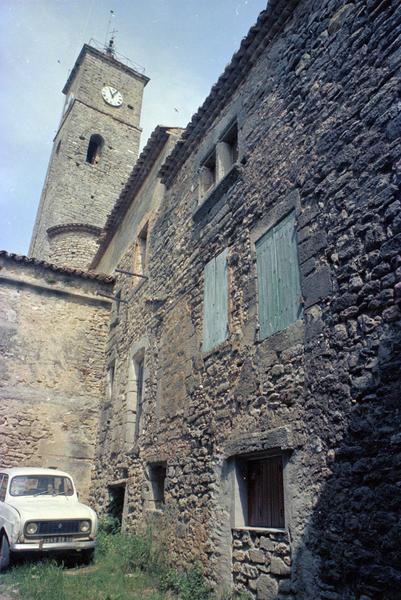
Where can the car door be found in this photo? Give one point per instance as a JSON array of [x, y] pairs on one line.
[[1, 503], [7, 513]]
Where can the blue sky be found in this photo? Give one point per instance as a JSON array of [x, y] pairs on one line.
[[183, 45]]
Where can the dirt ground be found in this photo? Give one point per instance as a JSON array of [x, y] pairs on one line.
[[8, 594]]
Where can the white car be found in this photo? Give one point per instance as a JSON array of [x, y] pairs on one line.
[[40, 512]]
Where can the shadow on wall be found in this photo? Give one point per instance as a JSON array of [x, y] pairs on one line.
[[353, 542]]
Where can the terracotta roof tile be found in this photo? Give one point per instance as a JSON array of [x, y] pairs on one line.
[[58, 269]]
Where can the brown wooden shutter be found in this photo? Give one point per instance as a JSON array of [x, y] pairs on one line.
[[265, 492]]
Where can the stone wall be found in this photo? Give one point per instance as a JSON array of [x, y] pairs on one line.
[[143, 206], [53, 334], [319, 121], [261, 562], [74, 246]]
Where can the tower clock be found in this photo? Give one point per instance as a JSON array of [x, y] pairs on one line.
[[94, 151]]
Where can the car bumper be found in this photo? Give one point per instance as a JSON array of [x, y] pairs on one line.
[[52, 547]]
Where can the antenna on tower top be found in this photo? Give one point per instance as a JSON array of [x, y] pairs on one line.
[[109, 43]]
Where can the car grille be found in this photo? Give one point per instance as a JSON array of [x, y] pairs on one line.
[[56, 528]]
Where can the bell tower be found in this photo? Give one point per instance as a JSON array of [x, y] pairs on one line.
[[94, 151]]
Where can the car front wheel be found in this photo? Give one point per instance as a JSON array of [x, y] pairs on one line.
[[86, 556], [5, 554]]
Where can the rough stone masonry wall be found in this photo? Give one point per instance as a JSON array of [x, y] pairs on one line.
[[53, 333], [75, 248], [261, 561], [319, 126]]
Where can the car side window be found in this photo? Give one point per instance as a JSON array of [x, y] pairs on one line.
[[3, 486]]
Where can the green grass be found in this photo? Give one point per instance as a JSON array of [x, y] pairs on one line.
[[126, 567]]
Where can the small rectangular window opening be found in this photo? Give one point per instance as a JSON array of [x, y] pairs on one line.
[[231, 139], [139, 367], [157, 476], [116, 504], [220, 162], [94, 149], [110, 381], [141, 254], [262, 491], [208, 173], [117, 300]]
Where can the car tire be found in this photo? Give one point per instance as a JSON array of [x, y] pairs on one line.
[[87, 556], [5, 553]]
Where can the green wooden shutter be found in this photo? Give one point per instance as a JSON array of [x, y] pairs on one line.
[[215, 301], [279, 287]]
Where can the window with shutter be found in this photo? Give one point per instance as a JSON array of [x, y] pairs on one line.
[[279, 289], [215, 301], [265, 492]]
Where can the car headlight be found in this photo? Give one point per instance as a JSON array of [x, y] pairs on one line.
[[31, 528], [84, 526]]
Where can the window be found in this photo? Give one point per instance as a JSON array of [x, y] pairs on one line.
[[116, 309], [279, 290], [227, 151], [117, 300], [208, 174], [139, 364], [117, 503], [110, 381], [3, 487], [215, 301], [220, 161], [261, 491], [31, 485], [94, 149], [157, 476], [135, 394], [140, 253]]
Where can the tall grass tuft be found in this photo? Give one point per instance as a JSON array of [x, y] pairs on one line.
[[127, 566]]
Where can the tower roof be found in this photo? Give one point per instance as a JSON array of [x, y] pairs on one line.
[[87, 49]]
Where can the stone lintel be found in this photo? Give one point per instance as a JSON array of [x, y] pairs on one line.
[[279, 438]]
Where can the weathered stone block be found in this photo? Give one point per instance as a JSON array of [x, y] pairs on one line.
[[317, 286], [239, 555], [267, 544], [278, 567], [257, 556], [266, 588]]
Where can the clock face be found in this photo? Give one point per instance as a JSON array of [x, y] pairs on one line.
[[112, 96]]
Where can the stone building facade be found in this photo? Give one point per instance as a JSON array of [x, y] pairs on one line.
[[53, 335], [250, 384], [257, 426], [94, 151]]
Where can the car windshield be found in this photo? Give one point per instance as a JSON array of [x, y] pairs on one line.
[[35, 485]]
